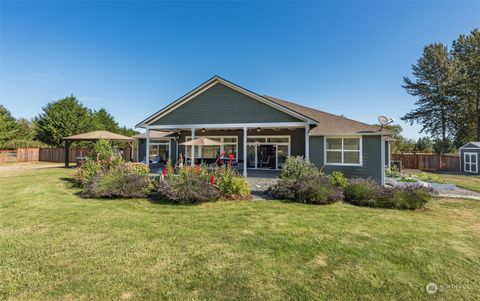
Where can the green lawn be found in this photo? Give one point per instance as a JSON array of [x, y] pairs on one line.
[[470, 182], [56, 245]]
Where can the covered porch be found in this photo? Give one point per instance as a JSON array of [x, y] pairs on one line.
[[259, 148]]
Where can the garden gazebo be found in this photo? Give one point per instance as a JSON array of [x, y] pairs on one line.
[[95, 136]]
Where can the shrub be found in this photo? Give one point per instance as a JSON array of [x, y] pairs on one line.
[[316, 189], [412, 197], [88, 170], [360, 191], [425, 177], [296, 167], [117, 182], [409, 179], [101, 150], [186, 190], [136, 168], [393, 172], [338, 179], [231, 183], [284, 189], [366, 192]]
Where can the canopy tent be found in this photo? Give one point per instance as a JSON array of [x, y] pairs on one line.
[[95, 136]]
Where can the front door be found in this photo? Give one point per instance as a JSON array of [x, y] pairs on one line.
[[470, 161], [266, 156]]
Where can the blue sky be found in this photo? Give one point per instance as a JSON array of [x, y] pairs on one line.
[[133, 58]]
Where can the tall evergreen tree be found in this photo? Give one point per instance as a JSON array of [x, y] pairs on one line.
[[62, 118], [466, 54], [102, 120], [26, 130], [432, 86], [8, 126]]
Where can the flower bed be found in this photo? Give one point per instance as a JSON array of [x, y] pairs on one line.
[[193, 185], [301, 182]]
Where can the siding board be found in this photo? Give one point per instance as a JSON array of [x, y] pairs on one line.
[[221, 104]]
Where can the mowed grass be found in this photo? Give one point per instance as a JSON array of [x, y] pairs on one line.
[[470, 182], [56, 245]]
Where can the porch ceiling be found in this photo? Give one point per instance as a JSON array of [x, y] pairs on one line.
[[231, 126]]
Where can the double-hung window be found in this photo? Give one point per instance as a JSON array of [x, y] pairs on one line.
[[343, 150]]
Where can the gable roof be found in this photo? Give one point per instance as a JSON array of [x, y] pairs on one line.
[[474, 143], [210, 83], [324, 123], [330, 124]]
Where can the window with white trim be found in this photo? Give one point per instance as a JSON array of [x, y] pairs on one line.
[[343, 151]]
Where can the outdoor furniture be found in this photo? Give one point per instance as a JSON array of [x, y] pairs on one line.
[[201, 141]]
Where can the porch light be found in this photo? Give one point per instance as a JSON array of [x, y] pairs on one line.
[[258, 129], [203, 130]]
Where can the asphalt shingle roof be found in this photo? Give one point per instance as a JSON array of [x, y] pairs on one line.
[[330, 124]]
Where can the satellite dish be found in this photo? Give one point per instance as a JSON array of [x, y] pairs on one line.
[[383, 120]]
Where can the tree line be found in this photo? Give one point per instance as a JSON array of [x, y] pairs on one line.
[[58, 119], [446, 83]]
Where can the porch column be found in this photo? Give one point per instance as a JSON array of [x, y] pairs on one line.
[[307, 143], [193, 149], [147, 147], [245, 151]]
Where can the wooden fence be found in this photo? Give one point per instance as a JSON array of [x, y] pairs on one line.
[[428, 162], [19, 155], [58, 154], [48, 155]]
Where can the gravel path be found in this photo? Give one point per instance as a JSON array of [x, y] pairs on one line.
[[459, 193], [455, 192]]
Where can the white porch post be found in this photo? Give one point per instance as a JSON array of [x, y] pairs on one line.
[[193, 148], [245, 129], [147, 147], [307, 143]]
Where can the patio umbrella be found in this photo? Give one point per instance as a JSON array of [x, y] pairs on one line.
[[202, 141]]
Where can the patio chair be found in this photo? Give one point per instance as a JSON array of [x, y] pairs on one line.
[[218, 162]]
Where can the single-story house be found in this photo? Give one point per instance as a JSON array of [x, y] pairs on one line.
[[261, 131], [469, 154]]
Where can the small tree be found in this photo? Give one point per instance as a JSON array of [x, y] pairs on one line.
[[102, 150]]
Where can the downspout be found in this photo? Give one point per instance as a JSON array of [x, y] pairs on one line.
[[382, 157]]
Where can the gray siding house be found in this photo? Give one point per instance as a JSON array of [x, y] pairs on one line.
[[260, 132], [469, 155]]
